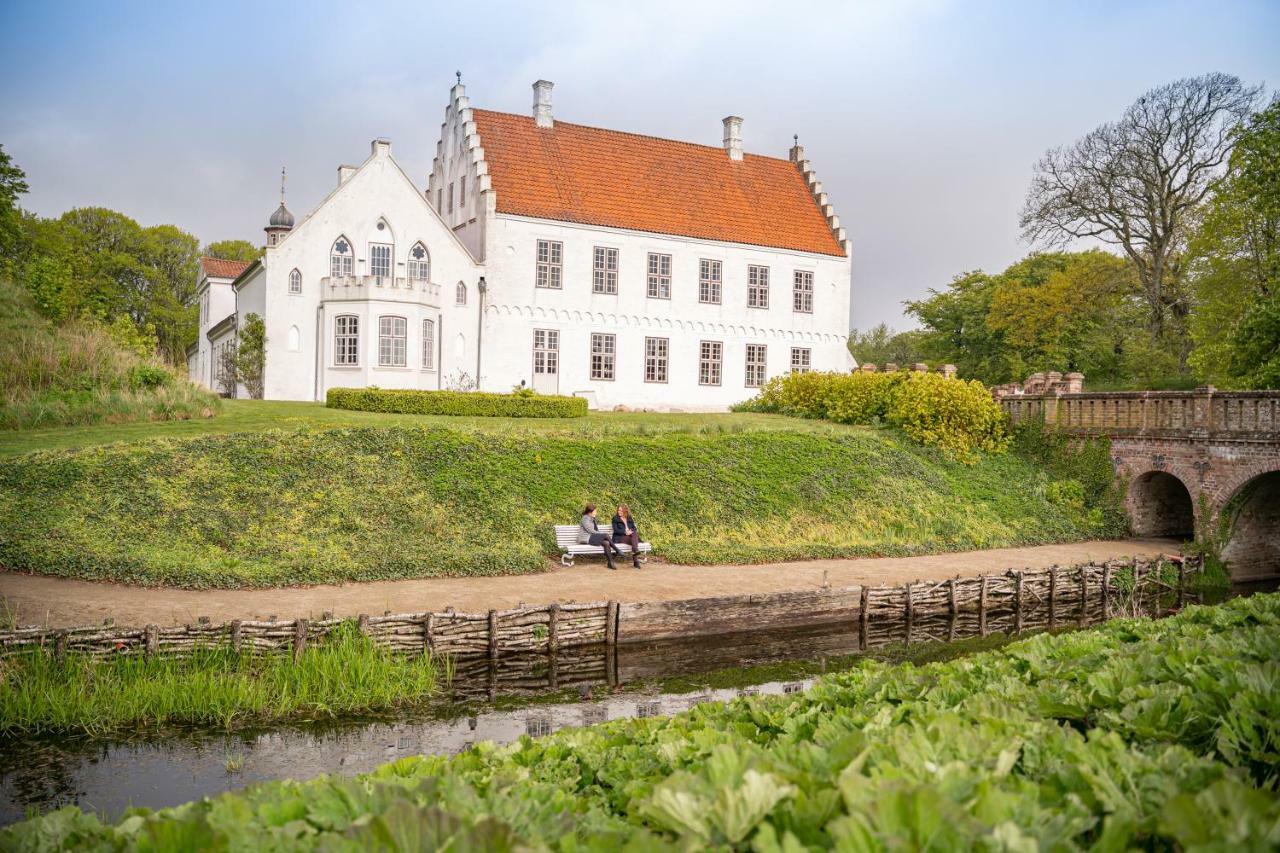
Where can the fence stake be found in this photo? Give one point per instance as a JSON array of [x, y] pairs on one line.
[[951, 610], [362, 623], [429, 633], [982, 607], [153, 640], [909, 615], [493, 634], [235, 636], [1106, 590], [1053, 594], [1084, 595], [60, 645], [299, 639], [1182, 582], [611, 624], [1017, 603], [862, 618], [553, 627]]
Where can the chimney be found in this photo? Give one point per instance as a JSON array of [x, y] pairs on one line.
[[380, 146], [733, 137], [542, 103], [345, 172]]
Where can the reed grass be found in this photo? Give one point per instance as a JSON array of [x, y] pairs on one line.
[[344, 673]]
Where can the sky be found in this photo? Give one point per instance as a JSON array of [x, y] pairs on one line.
[[923, 118]]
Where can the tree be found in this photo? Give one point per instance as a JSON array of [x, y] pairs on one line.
[[251, 355], [881, 345], [1235, 264], [1136, 183], [956, 330], [13, 184], [233, 250], [170, 256]]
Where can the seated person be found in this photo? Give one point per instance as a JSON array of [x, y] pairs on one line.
[[589, 534], [624, 530]]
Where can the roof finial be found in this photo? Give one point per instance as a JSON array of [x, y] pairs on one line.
[[458, 74], [282, 176]]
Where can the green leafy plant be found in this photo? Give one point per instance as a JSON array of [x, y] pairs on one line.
[[468, 403]]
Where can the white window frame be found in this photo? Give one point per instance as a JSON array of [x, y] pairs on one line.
[[710, 362], [659, 277], [428, 344], [604, 356], [710, 281], [460, 293], [546, 352], [340, 265], [295, 281], [604, 270], [393, 341], [346, 340], [657, 359], [379, 249], [802, 292], [756, 371], [757, 286], [418, 269], [801, 359], [549, 273]]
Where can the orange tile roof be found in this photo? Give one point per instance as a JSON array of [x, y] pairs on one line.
[[219, 268], [583, 174]]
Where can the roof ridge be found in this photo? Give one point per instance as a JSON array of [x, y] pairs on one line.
[[632, 133]]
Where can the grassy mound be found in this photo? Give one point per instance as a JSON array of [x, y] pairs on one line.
[[1140, 735], [280, 508], [76, 374]]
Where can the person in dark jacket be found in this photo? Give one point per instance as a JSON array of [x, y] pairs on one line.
[[624, 530], [589, 534]]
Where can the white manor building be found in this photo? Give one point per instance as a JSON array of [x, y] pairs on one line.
[[623, 268]]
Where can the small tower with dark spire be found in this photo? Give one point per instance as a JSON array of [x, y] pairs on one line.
[[281, 222]]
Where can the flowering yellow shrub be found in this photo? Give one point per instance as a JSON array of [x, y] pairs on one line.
[[957, 416]]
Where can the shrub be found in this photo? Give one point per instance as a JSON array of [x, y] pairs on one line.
[[957, 416], [468, 403]]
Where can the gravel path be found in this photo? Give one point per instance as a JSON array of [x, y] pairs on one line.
[[34, 599]]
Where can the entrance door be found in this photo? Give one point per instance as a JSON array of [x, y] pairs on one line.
[[546, 361]]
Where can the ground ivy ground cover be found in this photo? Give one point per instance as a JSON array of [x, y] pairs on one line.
[[1137, 735], [300, 507]]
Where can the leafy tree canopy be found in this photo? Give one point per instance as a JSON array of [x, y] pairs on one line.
[[234, 250]]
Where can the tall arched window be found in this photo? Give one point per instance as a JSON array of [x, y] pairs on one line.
[[346, 340], [419, 267], [341, 258], [460, 294], [295, 281]]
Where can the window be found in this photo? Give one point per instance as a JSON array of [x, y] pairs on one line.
[[419, 266], [224, 364], [380, 260], [709, 279], [295, 281], [757, 365], [710, 355], [802, 297], [460, 294], [428, 344], [757, 287], [604, 276], [550, 255], [659, 276], [655, 359], [393, 334], [439, 199], [462, 191], [546, 351], [346, 340], [603, 353], [341, 258], [451, 198], [801, 358]]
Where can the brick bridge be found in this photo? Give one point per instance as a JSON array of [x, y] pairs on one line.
[[1203, 463]]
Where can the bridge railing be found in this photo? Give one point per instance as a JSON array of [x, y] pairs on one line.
[[1243, 415]]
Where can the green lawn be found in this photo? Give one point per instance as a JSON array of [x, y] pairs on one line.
[[259, 415]]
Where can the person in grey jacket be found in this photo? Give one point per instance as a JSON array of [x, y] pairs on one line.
[[589, 534]]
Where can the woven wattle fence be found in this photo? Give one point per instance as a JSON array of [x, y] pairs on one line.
[[1012, 602]]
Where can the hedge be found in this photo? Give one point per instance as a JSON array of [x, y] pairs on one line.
[[466, 403]]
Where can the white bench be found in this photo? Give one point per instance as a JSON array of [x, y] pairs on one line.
[[567, 542]]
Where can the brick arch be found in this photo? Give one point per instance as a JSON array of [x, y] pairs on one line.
[[1160, 503], [1251, 543], [1240, 478]]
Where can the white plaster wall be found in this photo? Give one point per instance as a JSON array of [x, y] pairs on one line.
[[517, 307], [300, 328], [221, 303], [458, 160]]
